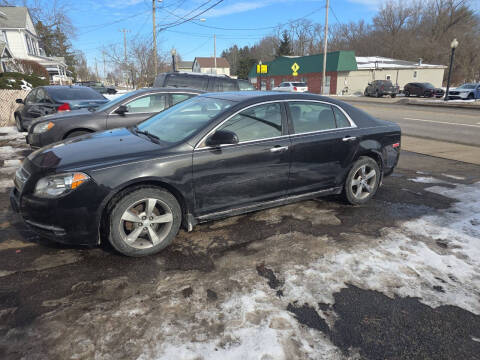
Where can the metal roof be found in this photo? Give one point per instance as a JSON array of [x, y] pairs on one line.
[[336, 61], [378, 62]]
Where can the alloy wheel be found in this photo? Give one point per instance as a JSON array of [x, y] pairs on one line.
[[146, 223], [363, 182]]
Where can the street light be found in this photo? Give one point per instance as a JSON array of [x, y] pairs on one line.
[[453, 46], [173, 52]]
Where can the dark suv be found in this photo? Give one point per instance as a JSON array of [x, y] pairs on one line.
[[205, 82], [378, 88], [422, 89]]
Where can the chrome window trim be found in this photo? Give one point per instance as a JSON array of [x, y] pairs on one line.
[[352, 123], [150, 93]]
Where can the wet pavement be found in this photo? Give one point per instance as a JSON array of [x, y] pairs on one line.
[[397, 278]]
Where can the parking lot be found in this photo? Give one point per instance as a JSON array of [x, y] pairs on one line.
[[396, 278]]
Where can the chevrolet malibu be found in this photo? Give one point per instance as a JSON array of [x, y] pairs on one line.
[[209, 157]]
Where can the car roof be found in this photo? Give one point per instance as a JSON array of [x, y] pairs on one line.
[[259, 96], [169, 90]]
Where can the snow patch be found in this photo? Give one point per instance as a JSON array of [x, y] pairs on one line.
[[426, 180]]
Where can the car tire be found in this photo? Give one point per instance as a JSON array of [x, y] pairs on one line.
[[393, 96], [377, 94], [407, 93], [470, 96], [365, 93], [362, 181], [76, 134], [133, 226], [18, 123]]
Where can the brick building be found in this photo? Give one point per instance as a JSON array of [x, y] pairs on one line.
[[346, 74], [309, 71]]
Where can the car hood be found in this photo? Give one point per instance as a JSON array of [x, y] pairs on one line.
[[94, 150], [462, 90]]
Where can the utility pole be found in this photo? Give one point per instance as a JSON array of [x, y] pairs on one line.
[[154, 39], [215, 52], [96, 68], [125, 42], [125, 52], [104, 68], [325, 40]]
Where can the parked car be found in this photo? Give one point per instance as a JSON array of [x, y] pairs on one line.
[[45, 100], [379, 88], [126, 110], [422, 89], [205, 82], [291, 86], [465, 92], [209, 157], [98, 86]]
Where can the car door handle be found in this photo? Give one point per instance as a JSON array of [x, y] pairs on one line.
[[349, 138], [279, 149]]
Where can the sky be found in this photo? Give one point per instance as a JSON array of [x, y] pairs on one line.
[[98, 23]]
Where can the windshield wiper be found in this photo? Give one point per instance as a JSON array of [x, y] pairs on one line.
[[148, 134]]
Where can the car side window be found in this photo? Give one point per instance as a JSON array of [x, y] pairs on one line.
[[310, 116], [30, 99], [176, 98], [340, 117], [256, 123], [147, 104]]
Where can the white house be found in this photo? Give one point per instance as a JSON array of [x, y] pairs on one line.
[[207, 65], [20, 37]]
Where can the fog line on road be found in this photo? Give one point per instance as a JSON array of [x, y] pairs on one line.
[[443, 122]]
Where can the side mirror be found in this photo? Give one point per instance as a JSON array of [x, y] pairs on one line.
[[121, 110], [19, 101], [221, 137], [369, 84]]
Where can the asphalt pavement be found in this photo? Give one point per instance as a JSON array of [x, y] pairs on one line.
[[395, 278], [460, 126]]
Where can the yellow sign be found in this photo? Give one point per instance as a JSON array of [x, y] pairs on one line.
[[261, 69], [295, 68]]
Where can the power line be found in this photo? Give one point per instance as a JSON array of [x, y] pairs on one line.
[[99, 26], [249, 29]]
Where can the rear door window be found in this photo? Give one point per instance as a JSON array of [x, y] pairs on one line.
[[311, 116]]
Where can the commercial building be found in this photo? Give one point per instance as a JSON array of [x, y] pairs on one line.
[[346, 73]]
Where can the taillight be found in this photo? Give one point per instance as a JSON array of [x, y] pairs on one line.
[[64, 107], [396, 145], [294, 88]]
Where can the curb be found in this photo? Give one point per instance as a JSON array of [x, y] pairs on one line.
[[405, 101]]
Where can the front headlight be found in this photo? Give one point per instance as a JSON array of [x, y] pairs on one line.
[[42, 127], [56, 185]]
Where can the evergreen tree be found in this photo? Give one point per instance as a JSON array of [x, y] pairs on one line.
[[285, 47]]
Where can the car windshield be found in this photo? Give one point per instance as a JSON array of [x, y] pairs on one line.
[[245, 85], [299, 84], [74, 93], [467, 86], [114, 102], [184, 119], [428, 86]]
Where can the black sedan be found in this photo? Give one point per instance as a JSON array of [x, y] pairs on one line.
[[124, 111], [212, 156], [45, 100], [422, 89]]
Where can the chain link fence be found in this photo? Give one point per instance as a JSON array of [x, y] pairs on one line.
[[8, 105]]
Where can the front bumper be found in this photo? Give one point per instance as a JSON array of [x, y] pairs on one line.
[[40, 140], [70, 219]]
